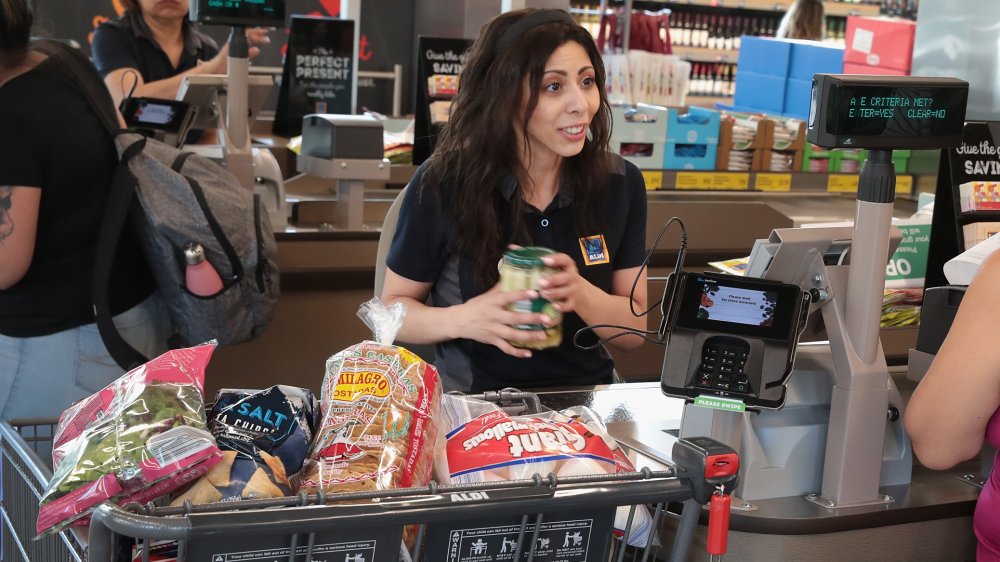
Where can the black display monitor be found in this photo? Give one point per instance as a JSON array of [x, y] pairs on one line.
[[728, 304], [247, 13], [857, 111]]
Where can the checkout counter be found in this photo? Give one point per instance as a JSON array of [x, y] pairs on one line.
[[914, 514]]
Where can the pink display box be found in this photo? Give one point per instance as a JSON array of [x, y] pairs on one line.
[[851, 68], [881, 42]]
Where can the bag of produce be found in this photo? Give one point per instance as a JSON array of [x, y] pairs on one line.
[[264, 437], [139, 438], [378, 405], [479, 442]]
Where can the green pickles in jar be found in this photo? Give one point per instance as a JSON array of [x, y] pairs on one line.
[[522, 269]]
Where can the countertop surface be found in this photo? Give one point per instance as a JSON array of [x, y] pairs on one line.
[[930, 495]]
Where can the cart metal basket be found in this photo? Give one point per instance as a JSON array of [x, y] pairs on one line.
[[23, 477], [545, 519]]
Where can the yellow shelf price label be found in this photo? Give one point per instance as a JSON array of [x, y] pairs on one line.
[[712, 181], [773, 182], [842, 183], [848, 183], [904, 184], [653, 179]]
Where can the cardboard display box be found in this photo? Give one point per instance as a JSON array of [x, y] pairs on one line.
[[647, 124], [757, 147], [881, 42]]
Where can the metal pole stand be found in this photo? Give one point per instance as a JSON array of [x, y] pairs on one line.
[[860, 401], [350, 175], [236, 130]]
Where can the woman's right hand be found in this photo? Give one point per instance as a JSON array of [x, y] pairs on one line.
[[486, 319], [219, 64]]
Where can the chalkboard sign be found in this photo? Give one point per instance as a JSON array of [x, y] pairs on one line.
[[439, 63], [977, 159], [318, 72]]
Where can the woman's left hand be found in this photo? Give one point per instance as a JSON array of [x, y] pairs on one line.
[[562, 286]]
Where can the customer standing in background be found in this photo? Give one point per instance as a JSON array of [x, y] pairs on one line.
[[154, 45], [803, 20], [523, 160], [56, 165]]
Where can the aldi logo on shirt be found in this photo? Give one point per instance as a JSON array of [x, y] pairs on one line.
[[595, 250]]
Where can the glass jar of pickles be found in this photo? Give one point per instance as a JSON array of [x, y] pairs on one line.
[[522, 269]]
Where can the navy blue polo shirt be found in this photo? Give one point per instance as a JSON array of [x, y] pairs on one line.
[[423, 250], [128, 43]]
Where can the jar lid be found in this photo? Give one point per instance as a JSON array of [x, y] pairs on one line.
[[530, 256]]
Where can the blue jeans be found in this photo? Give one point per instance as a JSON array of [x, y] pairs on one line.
[[41, 376]]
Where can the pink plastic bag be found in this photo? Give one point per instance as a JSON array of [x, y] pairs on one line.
[[137, 439]]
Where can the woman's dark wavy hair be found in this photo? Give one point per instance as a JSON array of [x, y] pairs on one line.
[[15, 29], [478, 148]]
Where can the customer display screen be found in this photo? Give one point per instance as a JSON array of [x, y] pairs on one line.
[[897, 111], [239, 12], [153, 113], [886, 111], [739, 306]]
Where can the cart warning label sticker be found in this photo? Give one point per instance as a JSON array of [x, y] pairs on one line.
[[357, 551], [563, 541]]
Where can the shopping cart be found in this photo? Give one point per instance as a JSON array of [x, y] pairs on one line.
[[23, 477], [543, 519]]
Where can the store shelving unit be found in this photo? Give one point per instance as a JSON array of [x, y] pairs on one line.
[[775, 182], [830, 8], [701, 55]]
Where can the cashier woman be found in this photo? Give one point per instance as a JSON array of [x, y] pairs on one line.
[[154, 45], [523, 161]]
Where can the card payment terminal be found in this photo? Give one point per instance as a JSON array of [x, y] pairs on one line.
[[733, 337]]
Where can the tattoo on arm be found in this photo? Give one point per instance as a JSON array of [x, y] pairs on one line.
[[6, 222]]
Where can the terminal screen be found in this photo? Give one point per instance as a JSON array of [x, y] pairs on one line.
[[239, 12], [155, 113], [896, 111], [739, 306]]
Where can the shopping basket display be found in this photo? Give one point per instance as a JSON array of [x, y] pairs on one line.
[[543, 519]]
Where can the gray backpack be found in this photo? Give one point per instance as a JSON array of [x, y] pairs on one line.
[[173, 198], [183, 198]]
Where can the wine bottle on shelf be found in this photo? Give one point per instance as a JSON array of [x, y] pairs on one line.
[[712, 32], [718, 84], [686, 20], [738, 31], [703, 32]]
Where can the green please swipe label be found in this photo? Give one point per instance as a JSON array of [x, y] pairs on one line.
[[717, 403]]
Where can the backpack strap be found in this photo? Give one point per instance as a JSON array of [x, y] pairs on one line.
[[120, 199], [121, 195]]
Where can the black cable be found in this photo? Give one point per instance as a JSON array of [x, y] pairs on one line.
[[121, 84], [644, 334]]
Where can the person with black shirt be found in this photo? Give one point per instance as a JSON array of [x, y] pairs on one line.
[[56, 163], [154, 45], [523, 160]]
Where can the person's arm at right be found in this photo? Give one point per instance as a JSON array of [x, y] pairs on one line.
[[947, 415], [18, 227], [484, 318]]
